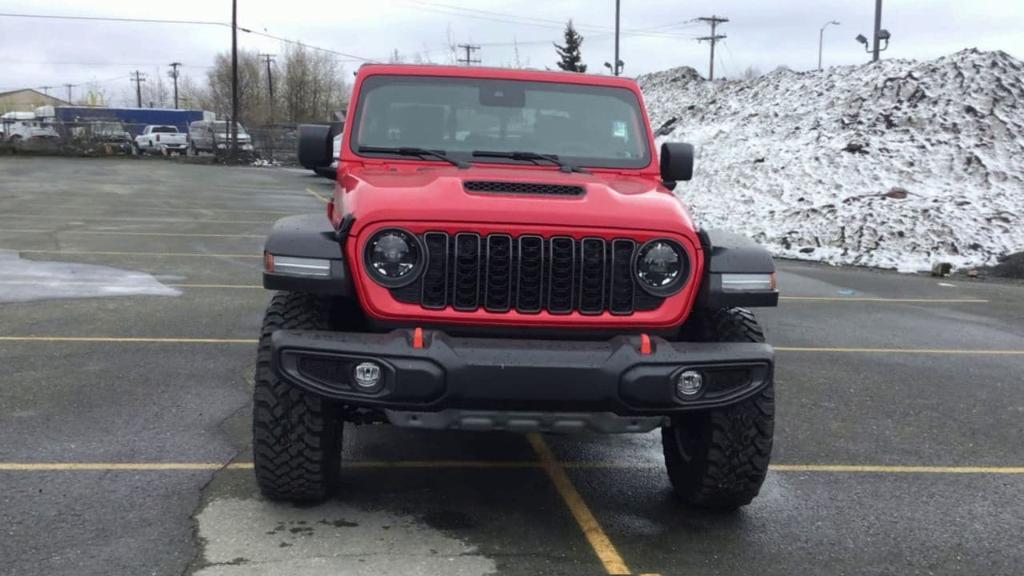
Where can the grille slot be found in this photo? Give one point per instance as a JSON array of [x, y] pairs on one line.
[[530, 283], [592, 276], [467, 272], [529, 274], [435, 276], [498, 273], [621, 286], [497, 187], [561, 274]]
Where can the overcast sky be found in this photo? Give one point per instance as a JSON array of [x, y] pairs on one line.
[[657, 34]]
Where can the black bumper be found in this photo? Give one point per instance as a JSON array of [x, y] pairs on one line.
[[520, 375]]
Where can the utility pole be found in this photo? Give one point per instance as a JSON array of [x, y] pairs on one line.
[[713, 39], [469, 48], [174, 74], [269, 58], [878, 30], [138, 78], [46, 89], [234, 80], [617, 68], [821, 38], [875, 48], [69, 87]]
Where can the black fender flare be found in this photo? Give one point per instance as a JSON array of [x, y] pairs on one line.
[[308, 236], [728, 253]]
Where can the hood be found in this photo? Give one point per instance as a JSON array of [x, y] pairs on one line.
[[428, 194]]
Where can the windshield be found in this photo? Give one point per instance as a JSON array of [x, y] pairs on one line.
[[223, 127], [584, 125]]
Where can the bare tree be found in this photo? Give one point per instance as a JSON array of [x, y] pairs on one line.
[[250, 111], [313, 84]]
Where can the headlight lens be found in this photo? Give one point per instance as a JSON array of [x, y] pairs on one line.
[[394, 257], [661, 267]]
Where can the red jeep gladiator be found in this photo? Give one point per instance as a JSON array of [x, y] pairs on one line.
[[504, 251]]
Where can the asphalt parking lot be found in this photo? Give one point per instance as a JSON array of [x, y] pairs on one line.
[[124, 417]]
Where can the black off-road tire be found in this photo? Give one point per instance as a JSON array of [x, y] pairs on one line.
[[296, 435], [718, 459]]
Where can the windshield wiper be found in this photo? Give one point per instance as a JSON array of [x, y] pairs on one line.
[[530, 156], [411, 151]]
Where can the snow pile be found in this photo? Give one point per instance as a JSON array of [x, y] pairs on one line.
[[897, 164]]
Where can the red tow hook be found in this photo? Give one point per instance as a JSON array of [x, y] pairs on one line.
[[645, 345], [417, 339]]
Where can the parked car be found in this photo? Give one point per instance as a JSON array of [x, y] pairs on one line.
[[215, 137], [507, 253], [161, 140]]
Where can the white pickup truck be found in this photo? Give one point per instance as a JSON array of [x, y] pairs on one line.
[[162, 140]]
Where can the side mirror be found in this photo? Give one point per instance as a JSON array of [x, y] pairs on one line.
[[315, 146], [676, 162]]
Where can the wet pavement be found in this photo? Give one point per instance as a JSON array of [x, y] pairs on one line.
[[124, 417]]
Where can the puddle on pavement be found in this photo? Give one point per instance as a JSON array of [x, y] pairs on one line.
[[29, 280], [253, 536]]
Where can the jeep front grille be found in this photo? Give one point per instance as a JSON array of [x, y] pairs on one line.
[[529, 274]]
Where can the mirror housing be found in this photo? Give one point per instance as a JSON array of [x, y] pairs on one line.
[[676, 162], [316, 146]]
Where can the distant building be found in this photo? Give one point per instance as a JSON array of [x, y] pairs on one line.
[[26, 100]]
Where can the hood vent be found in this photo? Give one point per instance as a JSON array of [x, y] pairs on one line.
[[496, 187]]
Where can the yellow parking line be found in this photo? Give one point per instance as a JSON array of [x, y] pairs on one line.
[[599, 541], [158, 254], [943, 351], [318, 196], [891, 300]]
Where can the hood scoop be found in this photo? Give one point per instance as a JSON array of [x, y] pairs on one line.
[[528, 188]]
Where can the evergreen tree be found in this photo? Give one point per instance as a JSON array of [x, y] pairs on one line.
[[571, 59]]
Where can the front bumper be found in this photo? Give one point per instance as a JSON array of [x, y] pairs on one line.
[[506, 383]]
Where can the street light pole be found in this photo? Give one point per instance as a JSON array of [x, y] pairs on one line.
[[821, 38], [615, 63]]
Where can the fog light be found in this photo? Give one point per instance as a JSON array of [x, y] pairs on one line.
[[367, 376], [689, 384]]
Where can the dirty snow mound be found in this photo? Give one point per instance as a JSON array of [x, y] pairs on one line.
[[897, 164]]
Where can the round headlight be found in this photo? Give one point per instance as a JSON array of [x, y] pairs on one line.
[[661, 267], [394, 257]]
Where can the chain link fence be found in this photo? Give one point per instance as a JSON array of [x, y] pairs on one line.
[[275, 145]]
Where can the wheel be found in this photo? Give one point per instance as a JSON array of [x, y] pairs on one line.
[[296, 435], [718, 459]]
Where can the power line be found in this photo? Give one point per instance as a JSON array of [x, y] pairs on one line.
[[507, 18], [88, 64], [112, 19], [469, 48], [187, 22], [713, 39]]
